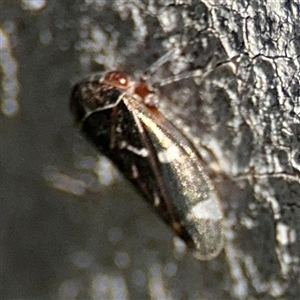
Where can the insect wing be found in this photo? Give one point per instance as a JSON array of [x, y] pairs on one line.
[[156, 157], [191, 200], [115, 134]]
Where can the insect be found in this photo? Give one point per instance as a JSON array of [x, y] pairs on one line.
[[119, 117]]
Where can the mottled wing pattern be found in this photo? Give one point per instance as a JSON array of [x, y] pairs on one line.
[[155, 156]]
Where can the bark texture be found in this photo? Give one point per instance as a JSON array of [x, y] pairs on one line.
[[72, 228]]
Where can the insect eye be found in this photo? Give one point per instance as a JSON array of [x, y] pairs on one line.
[[117, 79]]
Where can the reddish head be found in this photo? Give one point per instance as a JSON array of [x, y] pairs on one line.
[[117, 79]]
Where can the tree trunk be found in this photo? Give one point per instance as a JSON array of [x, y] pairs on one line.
[[66, 234]]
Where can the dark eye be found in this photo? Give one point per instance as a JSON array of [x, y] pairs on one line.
[[117, 79]]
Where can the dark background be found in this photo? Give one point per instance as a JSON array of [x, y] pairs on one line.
[[69, 232]]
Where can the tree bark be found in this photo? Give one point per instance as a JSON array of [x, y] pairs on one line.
[[98, 240]]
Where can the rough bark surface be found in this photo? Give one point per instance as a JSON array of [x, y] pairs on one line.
[[71, 227]]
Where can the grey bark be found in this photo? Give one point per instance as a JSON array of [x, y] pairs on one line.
[[67, 235]]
